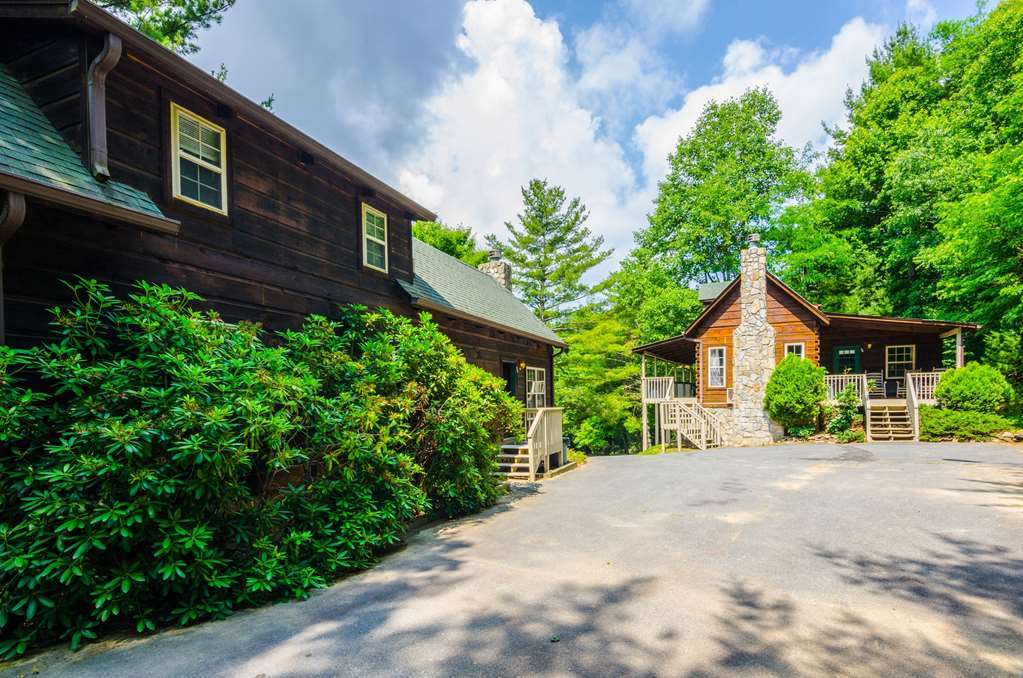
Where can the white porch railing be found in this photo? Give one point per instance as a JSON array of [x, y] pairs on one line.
[[658, 388], [544, 437], [837, 383], [923, 384]]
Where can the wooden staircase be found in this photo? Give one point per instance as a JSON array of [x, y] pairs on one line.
[[513, 461], [542, 449], [890, 421], [687, 419]]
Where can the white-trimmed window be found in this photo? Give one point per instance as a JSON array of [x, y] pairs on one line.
[[716, 367], [898, 360], [795, 348], [536, 387], [198, 160], [374, 238]]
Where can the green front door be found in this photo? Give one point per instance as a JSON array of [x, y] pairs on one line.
[[845, 359]]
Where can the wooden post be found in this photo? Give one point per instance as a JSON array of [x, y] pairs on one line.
[[960, 353], [642, 397]]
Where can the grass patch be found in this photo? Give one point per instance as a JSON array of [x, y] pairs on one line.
[[668, 449]]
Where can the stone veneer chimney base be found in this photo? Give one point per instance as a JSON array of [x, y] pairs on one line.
[[753, 345]]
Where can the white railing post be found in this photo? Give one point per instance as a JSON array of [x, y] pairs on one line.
[[911, 404]]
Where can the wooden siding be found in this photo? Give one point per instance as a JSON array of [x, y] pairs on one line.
[[928, 346], [289, 246], [45, 57], [791, 321]]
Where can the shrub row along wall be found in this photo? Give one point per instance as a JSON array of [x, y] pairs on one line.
[[160, 466]]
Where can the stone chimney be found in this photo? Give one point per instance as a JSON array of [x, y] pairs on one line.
[[498, 269], [753, 349]]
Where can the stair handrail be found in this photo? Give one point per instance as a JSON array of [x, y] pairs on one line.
[[912, 405], [865, 393], [543, 437]]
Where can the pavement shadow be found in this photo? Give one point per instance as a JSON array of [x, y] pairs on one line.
[[1008, 493], [768, 635]]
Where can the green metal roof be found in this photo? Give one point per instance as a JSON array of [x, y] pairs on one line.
[[709, 291], [31, 148], [444, 282]]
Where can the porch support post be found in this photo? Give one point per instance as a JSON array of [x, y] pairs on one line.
[[960, 353], [642, 397]]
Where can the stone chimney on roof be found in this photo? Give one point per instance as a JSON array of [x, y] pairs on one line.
[[498, 269]]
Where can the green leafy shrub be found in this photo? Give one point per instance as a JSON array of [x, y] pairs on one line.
[[942, 424], [801, 431], [974, 388], [170, 467], [795, 392], [844, 414], [851, 436]]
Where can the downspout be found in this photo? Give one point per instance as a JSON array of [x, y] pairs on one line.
[[96, 105], [12, 215]]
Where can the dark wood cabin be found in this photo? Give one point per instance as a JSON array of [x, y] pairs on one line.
[[121, 161]]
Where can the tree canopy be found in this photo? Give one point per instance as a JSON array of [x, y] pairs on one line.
[[729, 177], [550, 250], [172, 23], [458, 241]]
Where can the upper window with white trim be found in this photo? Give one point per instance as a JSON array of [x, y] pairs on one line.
[[796, 348], [716, 367], [199, 160], [898, 360], [374, 238]]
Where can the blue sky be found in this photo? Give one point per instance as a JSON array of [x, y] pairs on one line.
[[460, 103]]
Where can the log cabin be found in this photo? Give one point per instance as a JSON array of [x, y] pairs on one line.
[[121, 161], [707, 383]]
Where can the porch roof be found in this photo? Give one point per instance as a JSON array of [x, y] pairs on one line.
[[841, 321], [678, 349]]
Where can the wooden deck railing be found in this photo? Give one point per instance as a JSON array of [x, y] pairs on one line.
[[658, 388], [544, 438], [923, 384], [837, 383]]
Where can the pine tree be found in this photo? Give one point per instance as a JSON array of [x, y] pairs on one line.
[[550, 250]]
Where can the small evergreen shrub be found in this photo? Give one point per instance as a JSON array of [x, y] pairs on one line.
[[942, 424], [167, 467], [973, 388], [795, 392]]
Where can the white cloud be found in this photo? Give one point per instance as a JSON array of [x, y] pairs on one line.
[[811, 91], [921, 13], [515, 112], [667, 16], [514, 115]]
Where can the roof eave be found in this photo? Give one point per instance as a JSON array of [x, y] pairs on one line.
[[81, 203], [205, 84], [429, 305]]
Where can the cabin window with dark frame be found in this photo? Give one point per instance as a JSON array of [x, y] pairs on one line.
[[716, 367], [374, 237], [199, 160]]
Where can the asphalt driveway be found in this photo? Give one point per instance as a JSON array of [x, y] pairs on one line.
[[863, 560]]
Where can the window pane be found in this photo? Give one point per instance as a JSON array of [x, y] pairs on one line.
[[210, 145], [188, 135], [375, 227], [375, 254], [199, 183], [189, 179]]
